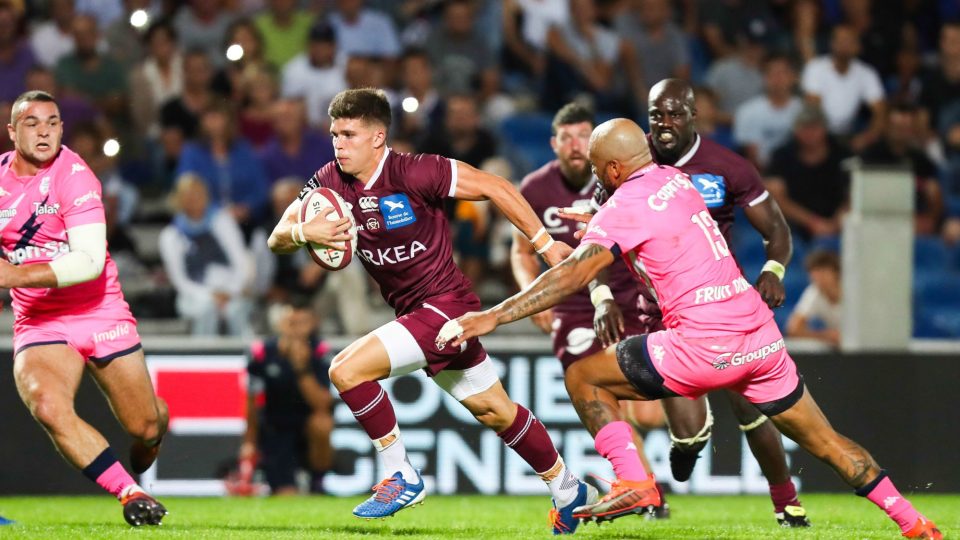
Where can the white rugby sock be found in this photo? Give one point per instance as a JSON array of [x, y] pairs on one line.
[[563, 486], [393, 455]]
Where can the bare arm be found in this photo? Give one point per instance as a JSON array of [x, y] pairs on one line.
[[316, 396], [526, 267], [318, 230], [767, 219], [878, 112], [476, 185], [545, 292], [799, 327]]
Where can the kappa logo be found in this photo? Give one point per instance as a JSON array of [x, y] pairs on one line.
[[658, 353], [368, 204], [3, 192], [890, 501], [75, 168]]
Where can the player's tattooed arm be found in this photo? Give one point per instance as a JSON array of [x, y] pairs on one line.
[[555, 284], [608, 321], [552, 286]]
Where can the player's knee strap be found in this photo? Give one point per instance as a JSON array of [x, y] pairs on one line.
[[753, 425], [701, 437]]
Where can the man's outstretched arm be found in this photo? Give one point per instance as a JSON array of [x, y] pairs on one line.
[[571, 275]]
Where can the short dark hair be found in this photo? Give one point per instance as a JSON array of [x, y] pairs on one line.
[[822, 258], [774, 57], [367, 104], [299, 302], [162, 25], [571, 113], [29, 97]]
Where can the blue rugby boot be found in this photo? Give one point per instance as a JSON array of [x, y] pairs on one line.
[[390, 496]]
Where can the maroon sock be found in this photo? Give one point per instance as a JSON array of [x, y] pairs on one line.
[[528, 438], [372, 408], [783, 495]]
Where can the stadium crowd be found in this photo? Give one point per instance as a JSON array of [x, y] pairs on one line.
[[203, 118]]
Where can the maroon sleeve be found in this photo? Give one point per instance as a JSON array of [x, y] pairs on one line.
[[743, 180], [431, 177]]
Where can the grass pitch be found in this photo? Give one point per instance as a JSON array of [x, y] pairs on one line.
[[732, 517]]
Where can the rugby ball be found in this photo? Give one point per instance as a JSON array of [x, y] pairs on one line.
[[314, 203]]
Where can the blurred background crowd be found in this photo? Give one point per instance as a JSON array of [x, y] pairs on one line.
[[203, 118]]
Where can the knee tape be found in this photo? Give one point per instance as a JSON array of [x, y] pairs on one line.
[[702, 436], [753, 425]]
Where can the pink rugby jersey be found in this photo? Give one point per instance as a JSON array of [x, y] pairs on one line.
[[657, 221], [35, 213]]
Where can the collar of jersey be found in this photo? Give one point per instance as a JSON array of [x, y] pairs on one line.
[[689, 155], [379, 171]]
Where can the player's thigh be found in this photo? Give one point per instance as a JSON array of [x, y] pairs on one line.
[[601, 369], [745, 411], [686, 417], [806, 424], [126, 384], [47, 378], [366, 359]]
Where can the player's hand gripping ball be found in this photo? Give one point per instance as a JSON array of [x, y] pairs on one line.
[[314, 204]]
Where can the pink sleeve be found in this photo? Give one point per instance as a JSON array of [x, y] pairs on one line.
[[80, 197], [615, 228]]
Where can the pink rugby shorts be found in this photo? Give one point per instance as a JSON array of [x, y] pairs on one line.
[[101, 334]]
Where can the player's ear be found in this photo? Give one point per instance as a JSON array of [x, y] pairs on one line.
[[553, 143], [12, 133], [379, 137]]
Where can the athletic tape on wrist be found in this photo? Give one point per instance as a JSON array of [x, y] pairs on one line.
[[775, 268], [293, 235], [599, 294], [538, 234], [546, 246]]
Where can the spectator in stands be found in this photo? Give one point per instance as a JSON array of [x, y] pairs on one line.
[[124, 40], [709, 120], [582, 56], [233, 173], [807, 178], [525, 24], [53, 39], [737, 77], [157, 80], [461, 56], [16, 58], [92, 74], [295, 150], [941, 85], [256, 120], [808, 35], [818, 312], [105, 11], [230, 80], [721, 21], [765, 122], [284, 28], [659, 44], [356, 27], [880, 26], [316, 75], [901, 145], [415, 119], [905, 85], [204, 257], [289, 405], [841, 84], [180, 116], [462, 138], [203, 24]]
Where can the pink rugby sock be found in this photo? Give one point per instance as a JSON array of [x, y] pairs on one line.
[[884, 494], [615, 442], [107, 471]]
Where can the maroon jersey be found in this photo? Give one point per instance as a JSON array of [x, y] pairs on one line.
[[403, 237], [724, 179], [547, 191]]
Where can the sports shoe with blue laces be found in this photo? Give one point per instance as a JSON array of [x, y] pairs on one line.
[[390, 496], [562, 518], [5, 521]]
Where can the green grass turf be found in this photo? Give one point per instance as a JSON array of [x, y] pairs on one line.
[[514, 518]]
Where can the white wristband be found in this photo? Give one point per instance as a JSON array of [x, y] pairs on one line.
[[599, 294], [775, 268], [546, 246], [538, 234]]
